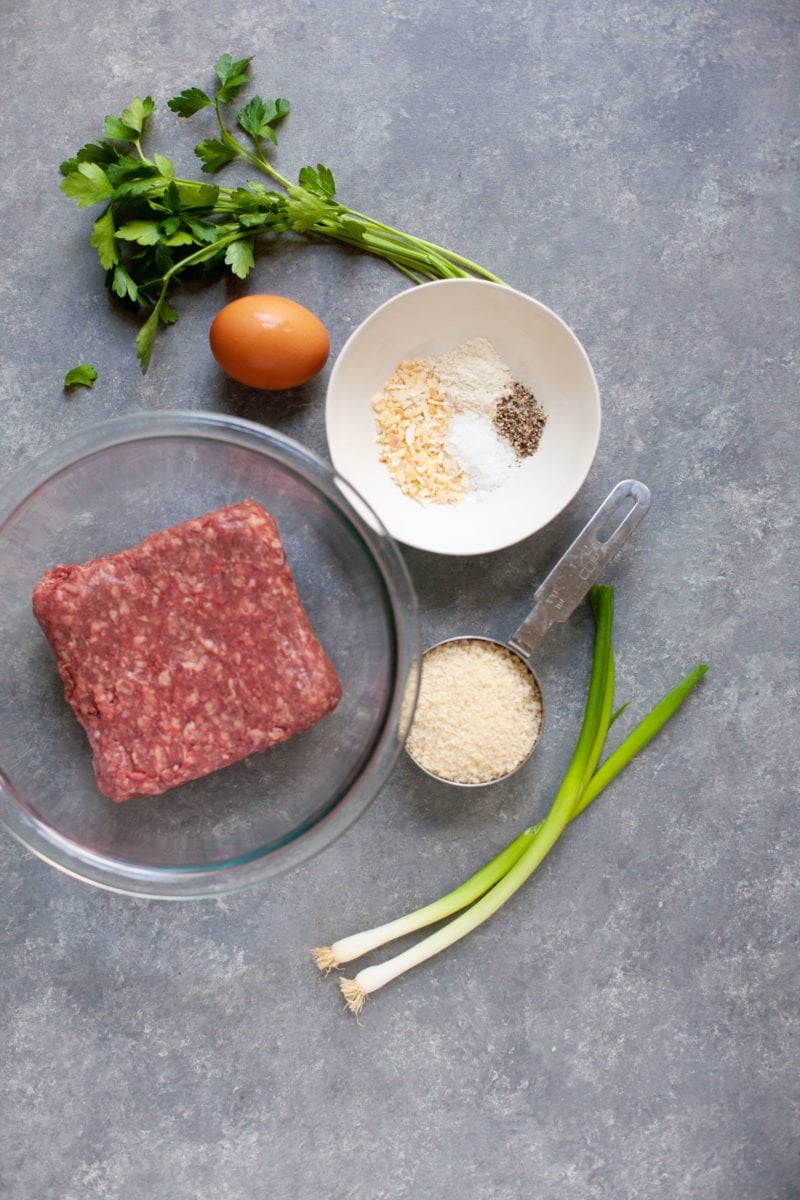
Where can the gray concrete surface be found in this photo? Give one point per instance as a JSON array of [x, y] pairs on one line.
[[627, 1028]]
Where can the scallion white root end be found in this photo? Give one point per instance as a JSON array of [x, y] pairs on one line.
[[354, 995], [325, 959]]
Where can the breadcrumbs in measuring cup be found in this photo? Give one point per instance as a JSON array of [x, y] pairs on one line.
[[479, 712]]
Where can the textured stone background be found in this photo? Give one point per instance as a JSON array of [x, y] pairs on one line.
[[628, 1026]]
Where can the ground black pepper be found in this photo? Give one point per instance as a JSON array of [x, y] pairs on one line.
[[521, 420]]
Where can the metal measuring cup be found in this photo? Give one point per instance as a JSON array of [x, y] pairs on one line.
[[560, 593]]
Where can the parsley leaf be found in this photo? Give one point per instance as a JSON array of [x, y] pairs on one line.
[[254, 196], [129, 126], [203, 195], [239, 257], [135, 116], [126, 168], [306, 207], [146, 337], [172, 198], [83, 375], [258, 117], [87, 185], [162, 259], [232, 76], [123, 285], [96, 152], [137, 187], [190, 101], [265, 219], [145, 233], [203, 231], [103, 240], [319, 182], [165, 167], [213, 155], [115, 127], [167, 314], [181, 238]]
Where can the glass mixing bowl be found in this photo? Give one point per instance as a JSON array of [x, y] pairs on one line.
[[107, 489]]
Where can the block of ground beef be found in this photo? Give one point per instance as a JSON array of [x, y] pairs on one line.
[[187, 652]]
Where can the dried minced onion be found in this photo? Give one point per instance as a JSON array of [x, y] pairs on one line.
[[412, 420]]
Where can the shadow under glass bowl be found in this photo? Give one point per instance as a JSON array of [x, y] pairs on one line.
[[105, 490]]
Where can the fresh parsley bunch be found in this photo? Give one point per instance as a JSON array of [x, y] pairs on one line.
[[157, 230]]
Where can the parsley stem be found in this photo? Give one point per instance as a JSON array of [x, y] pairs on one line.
[[415, 279], [205, 252], [443, 258], [257, 160], [473, 267], [266, 166], [393, 250]]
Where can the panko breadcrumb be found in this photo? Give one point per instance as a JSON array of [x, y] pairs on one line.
[[479, 712], [412, 419]]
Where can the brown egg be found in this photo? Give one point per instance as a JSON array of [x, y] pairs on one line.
[[269, 342]]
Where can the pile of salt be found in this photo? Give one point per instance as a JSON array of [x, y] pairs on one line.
[[485, 459]]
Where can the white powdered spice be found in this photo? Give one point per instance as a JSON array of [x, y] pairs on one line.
[[486, 460], [479, 712], [473, 377]]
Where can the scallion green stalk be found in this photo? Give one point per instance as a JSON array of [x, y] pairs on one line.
[[638, 738], [348, 948]]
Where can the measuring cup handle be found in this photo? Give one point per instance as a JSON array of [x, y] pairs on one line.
[[581, 566]]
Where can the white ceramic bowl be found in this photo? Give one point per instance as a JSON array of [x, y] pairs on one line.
[[540, 350]]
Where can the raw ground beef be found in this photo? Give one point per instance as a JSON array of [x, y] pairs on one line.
[[187, 652]]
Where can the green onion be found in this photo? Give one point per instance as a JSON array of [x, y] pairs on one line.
[[486, 891], [638, 738], [348, 948]]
